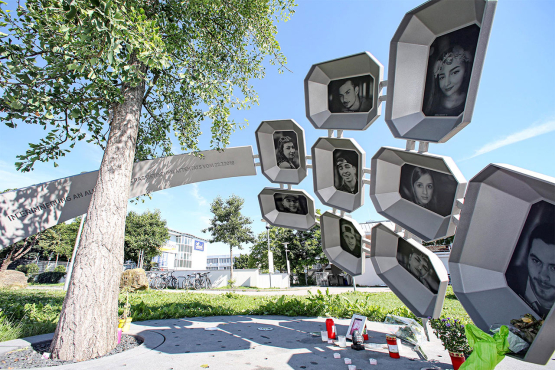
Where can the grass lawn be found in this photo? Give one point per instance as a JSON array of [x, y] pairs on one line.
[[30, 312]]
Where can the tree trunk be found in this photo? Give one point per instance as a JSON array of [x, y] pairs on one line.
[[16, 253], [6, 262], [231, 265], [88, 321]]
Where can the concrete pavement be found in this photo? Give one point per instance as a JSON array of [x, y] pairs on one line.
[[236, 342]]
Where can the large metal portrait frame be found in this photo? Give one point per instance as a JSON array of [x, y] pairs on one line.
[[419, 299], [316, 92], [283, 219], [323, 173], [384, 192], [266, 150], [408, 60], [331, 244], [495, 210]]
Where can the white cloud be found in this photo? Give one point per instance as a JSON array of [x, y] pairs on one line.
[[525, 134], [195, 193]]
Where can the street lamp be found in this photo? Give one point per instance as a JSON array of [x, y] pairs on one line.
[[270, 255], [287, 259]]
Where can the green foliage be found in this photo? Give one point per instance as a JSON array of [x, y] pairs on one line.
[[49, 277], [37, 311], [60, 268], [305, 249], [60, 239], [241, 262], [228, 225], [445, 241], [146, 232], [230, 283], [29, 269], [32, 268], [452, 335], [63, 66]]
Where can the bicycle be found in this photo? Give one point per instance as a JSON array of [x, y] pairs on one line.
[[172, 281], [203, 281], [189, 282]]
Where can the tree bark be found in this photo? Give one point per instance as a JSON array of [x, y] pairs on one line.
[[88, 321]]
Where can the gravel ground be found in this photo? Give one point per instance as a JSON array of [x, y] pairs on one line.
[[31, 357]]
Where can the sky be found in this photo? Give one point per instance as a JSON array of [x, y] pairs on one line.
[[513, 120]]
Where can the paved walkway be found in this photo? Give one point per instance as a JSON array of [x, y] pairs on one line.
[[292, 291], [289, 291], [237, 343]]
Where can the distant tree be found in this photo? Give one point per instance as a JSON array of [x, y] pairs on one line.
[[444, 241], [229, 226], [305, 249], [146, 232], [241, 262], [18, 250]]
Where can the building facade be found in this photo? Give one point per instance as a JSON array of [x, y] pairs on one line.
[[219, 262], [183, 252]]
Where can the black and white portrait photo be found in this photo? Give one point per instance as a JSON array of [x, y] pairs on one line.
[[531, 271], [349, 95], [351, 240], [429, 189], [291, 203], [449, 70], [417, 264], [346, 175], [287, 149]]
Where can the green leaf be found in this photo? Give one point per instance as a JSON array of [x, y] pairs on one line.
[[72, 13]]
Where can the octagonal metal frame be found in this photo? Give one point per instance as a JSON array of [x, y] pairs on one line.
[[283, 219], [408, 60], [267, 152], [495, 211], [316, 92], [384, 192], [331, 244], [323, 173], [419, 299]]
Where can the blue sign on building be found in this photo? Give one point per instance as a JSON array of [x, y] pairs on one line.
[[199, 246]]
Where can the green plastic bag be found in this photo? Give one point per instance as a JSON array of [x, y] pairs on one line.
[[488, 351]]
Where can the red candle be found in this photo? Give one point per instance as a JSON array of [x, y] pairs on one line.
[[392, 346], [330, 326]]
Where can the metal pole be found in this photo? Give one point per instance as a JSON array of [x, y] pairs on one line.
[[70, 270], [270, 260], [354, 283], [288, 266]]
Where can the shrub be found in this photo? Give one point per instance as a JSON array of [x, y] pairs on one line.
[[49, 277], [60, 268], [452, 335], [29, 269]]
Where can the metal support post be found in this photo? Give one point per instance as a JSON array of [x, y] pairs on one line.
[[70, 270]]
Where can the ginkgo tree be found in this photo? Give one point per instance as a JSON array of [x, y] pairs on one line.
[[126, 75]]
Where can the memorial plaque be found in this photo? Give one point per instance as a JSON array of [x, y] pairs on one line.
[[27, 211], [287, 208], [342, 243], [502, 262], [414, 273], [417, 191], [435, 63], [343, 94], [338, 169], [282, 150]]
